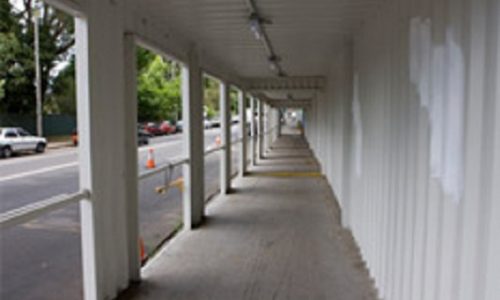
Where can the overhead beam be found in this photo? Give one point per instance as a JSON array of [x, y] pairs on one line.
[[286, 102], [286, 83], [289, 103]]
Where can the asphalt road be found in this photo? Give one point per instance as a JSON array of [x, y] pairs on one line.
[[41, 259]]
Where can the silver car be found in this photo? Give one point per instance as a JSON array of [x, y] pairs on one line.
[[15, 139]]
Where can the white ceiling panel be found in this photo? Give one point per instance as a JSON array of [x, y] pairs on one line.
[[302, 33]]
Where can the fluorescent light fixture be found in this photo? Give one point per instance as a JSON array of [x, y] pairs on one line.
[[255, 22], [273, 66], [255, 26], [273, 63]]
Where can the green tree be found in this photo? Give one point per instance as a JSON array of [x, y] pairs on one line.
[[233, 96], [211, 96], [62, 96], [158, 91], [144, 59], [2, 91], [17, 67]]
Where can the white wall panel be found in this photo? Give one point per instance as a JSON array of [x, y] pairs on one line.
[[415, 165]]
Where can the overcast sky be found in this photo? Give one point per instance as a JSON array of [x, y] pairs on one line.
[[18, 4]]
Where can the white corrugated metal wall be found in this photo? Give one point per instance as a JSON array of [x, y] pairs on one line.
[[408, 134]]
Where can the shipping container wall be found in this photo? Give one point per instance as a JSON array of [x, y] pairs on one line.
[[408, 134]]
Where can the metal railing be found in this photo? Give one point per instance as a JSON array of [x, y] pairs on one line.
[[32, 211], [165, 168], [180, 161]]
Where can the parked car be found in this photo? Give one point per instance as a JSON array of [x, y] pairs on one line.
[[167, 128], [153, 128], [142, 137], [215, 122], [178, 126], [15, 139], [207, 124]]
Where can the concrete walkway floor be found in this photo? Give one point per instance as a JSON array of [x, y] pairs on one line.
[[278, 236]]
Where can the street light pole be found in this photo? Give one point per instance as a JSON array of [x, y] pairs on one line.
[[36, 16]]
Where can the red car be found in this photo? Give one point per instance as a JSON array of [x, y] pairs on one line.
[[167, 128], [153, 129]]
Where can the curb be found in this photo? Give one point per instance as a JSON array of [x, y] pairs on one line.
[[59, 145]]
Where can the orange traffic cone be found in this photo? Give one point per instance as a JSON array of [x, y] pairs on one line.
[[217, 140], [142, 251], [150, 163]]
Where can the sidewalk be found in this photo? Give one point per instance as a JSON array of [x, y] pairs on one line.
[[58, 145], [277, 237]]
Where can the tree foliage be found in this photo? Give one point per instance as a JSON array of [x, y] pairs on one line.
[[17, 66], [2, 90], [210, 97], [159, 82], [159, 91], [62, 97]]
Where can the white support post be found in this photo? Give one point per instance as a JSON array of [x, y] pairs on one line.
[[105, 151], [192, 115], [279, 123], [260, 129], [274, 124], [265, 128], [253, 141], [225, 128], [131, 169], [243, 131], [269, 118]]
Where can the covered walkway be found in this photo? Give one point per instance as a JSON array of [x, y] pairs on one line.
[[278, 237], [400, 104]]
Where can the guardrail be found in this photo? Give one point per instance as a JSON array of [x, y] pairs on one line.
[[34, 210], [169, 166], [175, 163]]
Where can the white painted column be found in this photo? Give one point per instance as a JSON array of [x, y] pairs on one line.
[[270, 124], [106, 156], [260, 129], [192, 116], [253, 141], [131, 175], [266, 117], [225, 128], [243, 131], [279, 123]]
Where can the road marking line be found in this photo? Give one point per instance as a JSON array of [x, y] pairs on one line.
[[24, 159], [39, 171]]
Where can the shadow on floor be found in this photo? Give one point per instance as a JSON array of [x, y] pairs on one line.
[[278, 235]]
